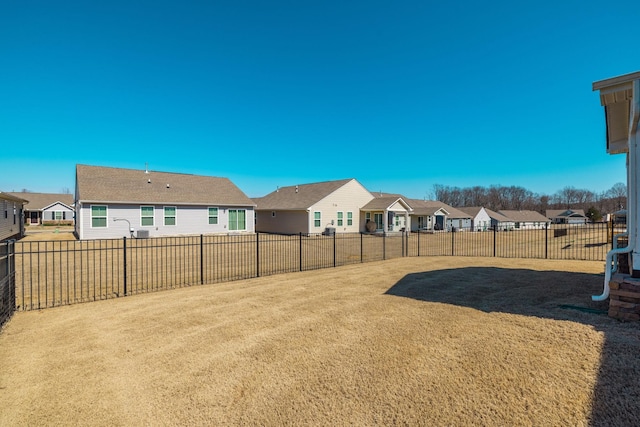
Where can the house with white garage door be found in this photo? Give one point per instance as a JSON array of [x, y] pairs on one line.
[[115, 202]]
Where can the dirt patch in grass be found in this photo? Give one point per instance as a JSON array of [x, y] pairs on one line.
[[418, 341]]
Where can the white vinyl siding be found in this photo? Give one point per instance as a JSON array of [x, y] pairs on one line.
[[146, 216], [237, 219], [98, 216], [169, 215], [213, 216]]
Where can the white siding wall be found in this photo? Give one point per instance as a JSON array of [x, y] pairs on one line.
[[7, 226], [189, 220], [348, 198], [482, 221], [286, 222]]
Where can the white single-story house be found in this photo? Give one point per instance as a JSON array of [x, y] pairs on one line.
[[322, 207], [115, 202], [11, 219], [567, 216], [526, 219], [500, 222], [480, 219], [47, 208], [389, 213]]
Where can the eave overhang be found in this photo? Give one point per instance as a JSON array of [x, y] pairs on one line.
[[621, 109]]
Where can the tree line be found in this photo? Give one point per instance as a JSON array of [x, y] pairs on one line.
[[497, 197]]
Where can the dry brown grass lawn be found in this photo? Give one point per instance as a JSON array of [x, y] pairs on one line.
[[410, 341]]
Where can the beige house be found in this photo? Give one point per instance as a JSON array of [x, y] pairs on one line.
[[322, 207], [115, 202]]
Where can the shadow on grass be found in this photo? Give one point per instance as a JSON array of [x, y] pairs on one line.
[[548, 294]]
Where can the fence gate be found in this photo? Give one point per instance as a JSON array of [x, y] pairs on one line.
[[7, 280]]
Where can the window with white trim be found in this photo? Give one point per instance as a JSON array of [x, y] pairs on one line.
[[317, 219], [340, 219], [213, 216], [169, 215], [237, 219], [146, 216], [349, 218], [98, 216]]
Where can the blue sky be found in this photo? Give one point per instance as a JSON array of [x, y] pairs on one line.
[[399, 95]]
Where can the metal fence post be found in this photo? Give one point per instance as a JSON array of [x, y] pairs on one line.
[[334, 249], [301, 251], [124, 255], [407, 243], [201, 259], [257, 254], [495, 233], [384, 245], [612, 231], [546, 240], [418, 242], [361, 247], [453, 242]]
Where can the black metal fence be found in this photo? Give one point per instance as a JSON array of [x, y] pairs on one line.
[[53, 273], [7, 281]]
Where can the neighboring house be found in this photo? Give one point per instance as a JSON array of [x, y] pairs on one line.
[[11, 219], [433, 215], [322, 207], [500, 222], [567, 216], [428, 215], [480, 219], [389, 213], [114, 202], [47, 208], [526, 219], [458, 220]]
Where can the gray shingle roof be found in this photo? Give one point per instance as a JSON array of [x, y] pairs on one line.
[[428, 207], [565, 213], [39, 201], [11, 197], [106, 184], [497, 216], [298, 197], [473, 211], [382, 203], [524, 216]]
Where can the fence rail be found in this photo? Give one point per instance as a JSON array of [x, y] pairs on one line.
[[49, 274]]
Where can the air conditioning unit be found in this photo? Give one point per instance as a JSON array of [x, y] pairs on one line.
[[142, 234]]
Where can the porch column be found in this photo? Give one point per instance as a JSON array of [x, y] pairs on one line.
[[633, 179]]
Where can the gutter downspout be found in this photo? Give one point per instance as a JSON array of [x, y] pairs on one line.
[[631, 195]]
